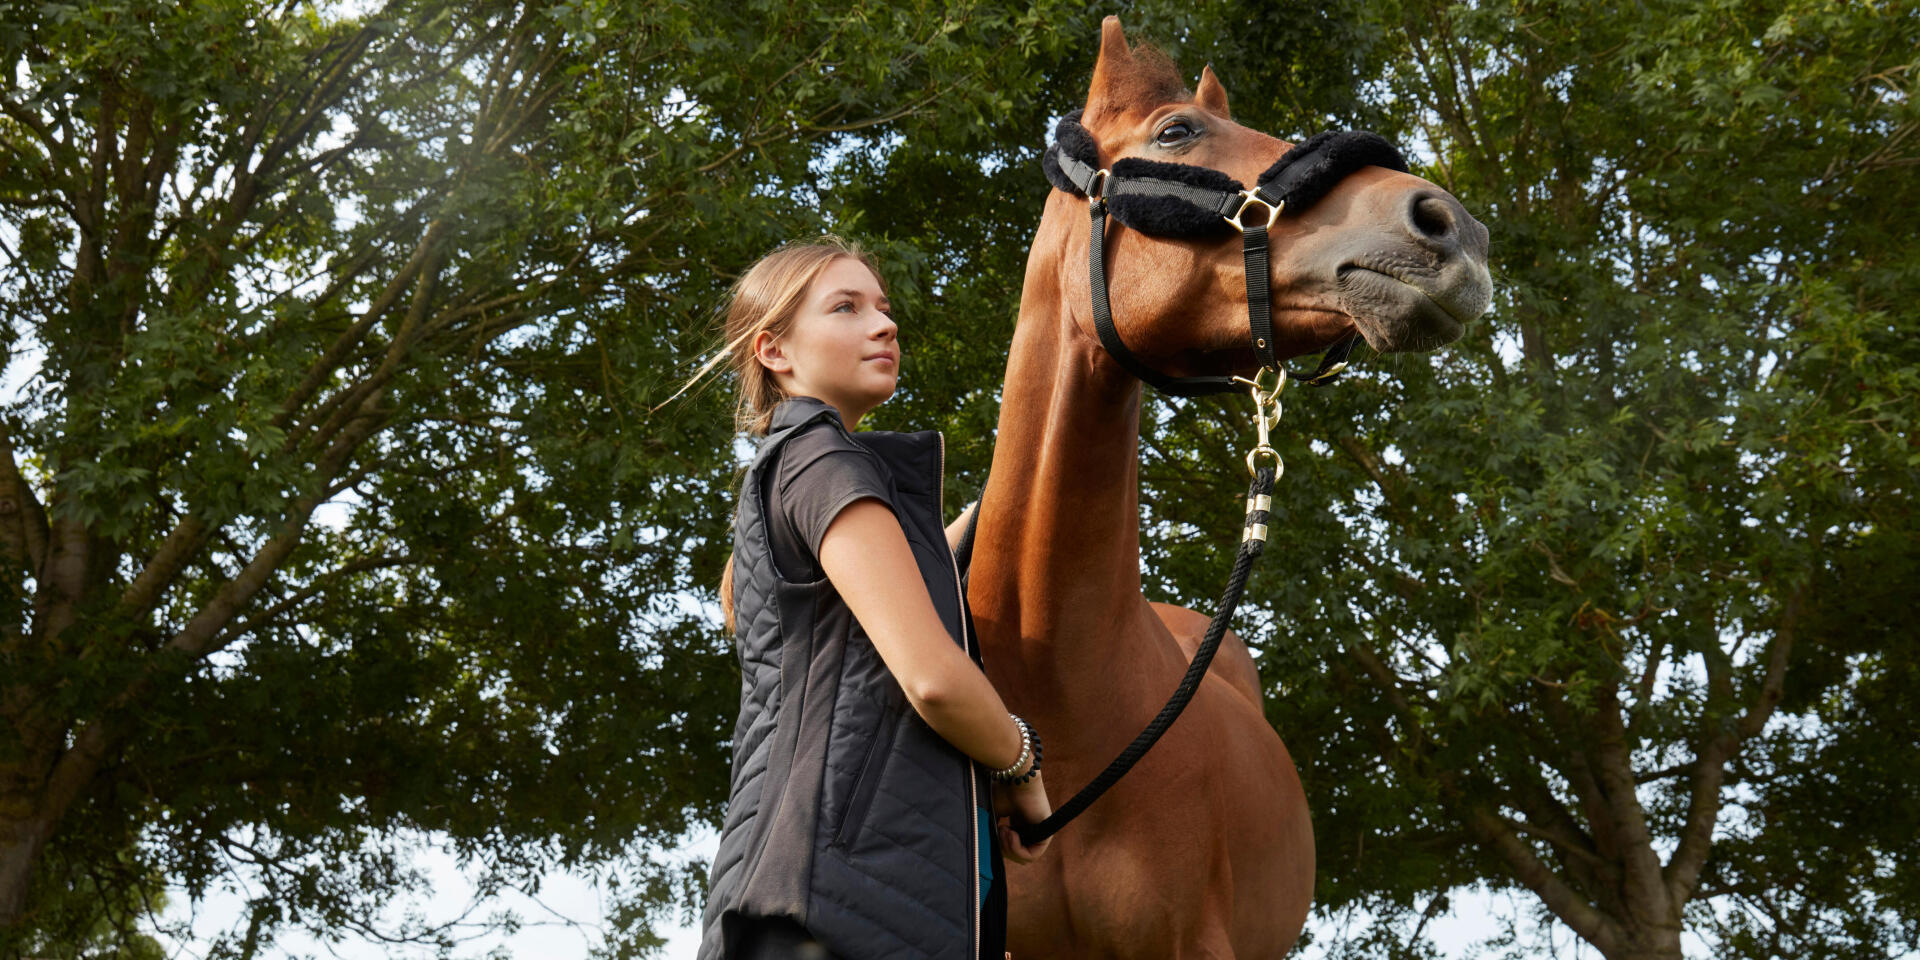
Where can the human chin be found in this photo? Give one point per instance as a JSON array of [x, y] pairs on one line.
[[876, 369], [880, 388]]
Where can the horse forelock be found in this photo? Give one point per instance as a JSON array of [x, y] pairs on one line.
[[1158, 75]]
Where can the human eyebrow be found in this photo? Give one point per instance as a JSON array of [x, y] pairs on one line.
[[883, 304]]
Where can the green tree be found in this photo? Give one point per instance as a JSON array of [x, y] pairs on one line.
[[96, 911], [1610, 602], [333, 516], [1652, 518]]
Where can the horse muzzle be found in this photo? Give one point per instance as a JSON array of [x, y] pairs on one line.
[[1414, 279]]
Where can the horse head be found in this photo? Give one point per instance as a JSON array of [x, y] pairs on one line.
[[1382, 253]]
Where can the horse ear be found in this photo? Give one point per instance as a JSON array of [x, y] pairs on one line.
[[1211, 95], [1112, 68]]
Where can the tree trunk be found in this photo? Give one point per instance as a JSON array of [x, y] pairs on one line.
[[34, 797], [1651, 943], [21, 841]]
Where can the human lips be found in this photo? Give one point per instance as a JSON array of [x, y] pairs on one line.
[[886, 355]]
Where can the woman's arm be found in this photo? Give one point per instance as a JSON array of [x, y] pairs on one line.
[[865, 554], [959, 525]]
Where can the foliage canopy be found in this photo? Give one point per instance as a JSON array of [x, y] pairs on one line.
[[334, 515]]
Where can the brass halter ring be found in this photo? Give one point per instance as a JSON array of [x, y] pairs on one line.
[[1097, 185], [1249, 199], [1263, 421]]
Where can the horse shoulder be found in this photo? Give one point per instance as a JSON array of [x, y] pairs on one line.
[[1232, 662]]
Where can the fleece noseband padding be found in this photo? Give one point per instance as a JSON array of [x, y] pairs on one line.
[[1310, 170], [1162, 211], [1182, 200]]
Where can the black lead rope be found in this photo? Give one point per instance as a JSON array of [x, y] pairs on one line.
[[1253, 543], [1250, 549]]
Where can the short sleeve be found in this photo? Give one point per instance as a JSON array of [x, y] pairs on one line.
[[821, 472]]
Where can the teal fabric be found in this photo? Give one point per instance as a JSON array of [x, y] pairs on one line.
[[986, 852]]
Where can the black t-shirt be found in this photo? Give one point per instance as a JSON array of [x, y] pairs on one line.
[[817, 474]]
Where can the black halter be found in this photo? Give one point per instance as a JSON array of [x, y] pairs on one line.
[[1181, 200]]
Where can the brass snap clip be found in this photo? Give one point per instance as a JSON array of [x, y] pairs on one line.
[[1263, 420]]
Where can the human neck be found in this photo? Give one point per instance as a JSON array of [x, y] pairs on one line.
[[850, 413]]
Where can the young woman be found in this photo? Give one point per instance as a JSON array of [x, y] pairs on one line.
[[871, 756]]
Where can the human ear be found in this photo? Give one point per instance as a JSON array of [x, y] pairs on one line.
[[766, 349]]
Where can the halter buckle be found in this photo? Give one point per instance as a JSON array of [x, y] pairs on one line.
[[1251, 198]]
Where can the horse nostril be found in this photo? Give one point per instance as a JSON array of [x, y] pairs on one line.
[[1432, 217]]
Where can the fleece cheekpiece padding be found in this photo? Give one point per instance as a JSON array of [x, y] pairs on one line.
[[1311, 169], [1073, 140]]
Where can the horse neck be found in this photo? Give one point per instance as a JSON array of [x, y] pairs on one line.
[[1056, 582]]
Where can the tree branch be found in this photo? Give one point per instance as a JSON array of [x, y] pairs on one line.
[[23, 520], [1709, 774], [1389, 489], [1643, 885], [197, 637], [1389, 684], [56, 151], [1593, 926], [311, 590], [323, 368], [1571, 844]]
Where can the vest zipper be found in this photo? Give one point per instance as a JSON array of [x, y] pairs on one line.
[[966, 644]]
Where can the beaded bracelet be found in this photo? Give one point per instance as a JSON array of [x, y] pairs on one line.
[[1026, 751], [1034, 770]]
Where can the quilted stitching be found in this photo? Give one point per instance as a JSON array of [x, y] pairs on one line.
[[905, 895]]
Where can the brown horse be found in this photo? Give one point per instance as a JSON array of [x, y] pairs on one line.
[[1204, 849]]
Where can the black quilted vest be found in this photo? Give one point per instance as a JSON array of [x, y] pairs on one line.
[[846, 812]]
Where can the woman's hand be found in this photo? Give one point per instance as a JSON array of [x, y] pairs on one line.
[[1026, 804]]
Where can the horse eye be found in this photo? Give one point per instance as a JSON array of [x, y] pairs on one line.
[[1174, 132]]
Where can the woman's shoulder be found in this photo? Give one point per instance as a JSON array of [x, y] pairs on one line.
[[824, 448], [820, 438], [818, 472]]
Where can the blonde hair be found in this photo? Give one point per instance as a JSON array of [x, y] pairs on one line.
[[768, 297]]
